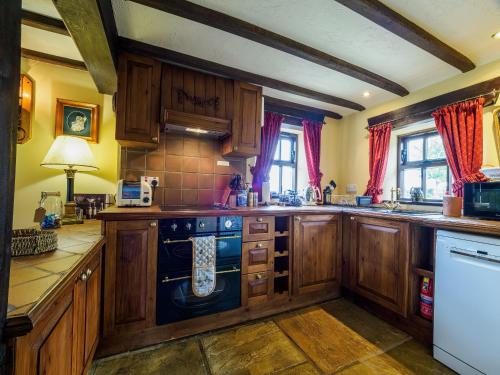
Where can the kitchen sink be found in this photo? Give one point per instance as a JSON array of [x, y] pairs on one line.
[[407, 212]]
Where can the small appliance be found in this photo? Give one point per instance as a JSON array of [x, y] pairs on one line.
[[482, 200], [133, 193]]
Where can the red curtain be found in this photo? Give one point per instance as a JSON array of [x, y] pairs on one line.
[[269, 140], [312, 145], [461, 128], [380, 137]]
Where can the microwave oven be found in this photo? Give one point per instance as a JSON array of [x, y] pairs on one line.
[[482, 200]]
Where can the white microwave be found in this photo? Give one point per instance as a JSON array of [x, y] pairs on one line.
[[133, 193]]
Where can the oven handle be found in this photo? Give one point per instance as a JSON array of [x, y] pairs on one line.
[[167, 241], [167, 280]]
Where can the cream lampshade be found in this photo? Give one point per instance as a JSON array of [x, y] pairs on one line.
[[70, 154]]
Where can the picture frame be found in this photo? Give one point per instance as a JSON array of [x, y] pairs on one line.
[[77, 119]]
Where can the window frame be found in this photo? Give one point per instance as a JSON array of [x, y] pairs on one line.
[[293, 163], [422, 164]]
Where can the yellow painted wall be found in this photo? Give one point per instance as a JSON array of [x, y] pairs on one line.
[[352, 145], [52, 82]]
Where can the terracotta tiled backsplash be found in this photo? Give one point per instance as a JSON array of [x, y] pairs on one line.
[[187, 168]]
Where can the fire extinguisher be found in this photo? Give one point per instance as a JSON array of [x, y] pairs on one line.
[[426, 298]]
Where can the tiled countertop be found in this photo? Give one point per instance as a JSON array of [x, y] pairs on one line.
[[33, 277]]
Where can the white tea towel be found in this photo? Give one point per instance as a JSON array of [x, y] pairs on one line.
[[203, 278]]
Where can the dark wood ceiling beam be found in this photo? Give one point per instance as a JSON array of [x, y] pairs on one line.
[[292, 107], [43, 22], [86, 24], [178, 58], [423, 110], [397, 24], [257, 34], [52, 59]]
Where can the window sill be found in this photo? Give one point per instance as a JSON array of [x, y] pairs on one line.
[[424, 203]]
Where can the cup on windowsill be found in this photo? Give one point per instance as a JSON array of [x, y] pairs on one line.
[[452, 206]]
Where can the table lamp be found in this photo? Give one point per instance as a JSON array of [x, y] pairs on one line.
[[70, 154]]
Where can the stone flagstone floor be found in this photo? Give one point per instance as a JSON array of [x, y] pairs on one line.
[[337, 337]]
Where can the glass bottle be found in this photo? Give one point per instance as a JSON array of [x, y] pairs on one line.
[[52, 203]]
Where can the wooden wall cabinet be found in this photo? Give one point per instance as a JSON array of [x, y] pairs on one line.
[[130, 276], [317, 253], [245, 138], [138, 101], [380, 261], [64, 339]]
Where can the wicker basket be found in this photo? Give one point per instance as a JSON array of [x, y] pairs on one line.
[[33, 242]]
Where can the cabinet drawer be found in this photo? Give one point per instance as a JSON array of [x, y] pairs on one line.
[[258, 256], [258, 228], [256, 288]]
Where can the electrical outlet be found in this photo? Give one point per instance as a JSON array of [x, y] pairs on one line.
[[153, 181]]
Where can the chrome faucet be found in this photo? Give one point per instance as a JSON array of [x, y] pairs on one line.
[[394, 203]]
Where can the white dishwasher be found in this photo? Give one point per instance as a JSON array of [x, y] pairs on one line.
[[467, 303]]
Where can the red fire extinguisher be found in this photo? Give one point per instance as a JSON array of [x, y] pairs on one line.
[[426, 298]]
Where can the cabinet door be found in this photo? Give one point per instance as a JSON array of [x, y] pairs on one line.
[[380, 261], [257, 288], [138, 101], [130, 275], [245, 137], [317, 254], [92, 307]]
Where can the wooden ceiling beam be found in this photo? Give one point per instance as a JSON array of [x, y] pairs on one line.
[[52, 59], [86, 22], [178, 58], [43, 22], [233, 25], [289, 108], [397, 24]]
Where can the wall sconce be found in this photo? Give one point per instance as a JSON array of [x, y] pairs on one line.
[[25, 109]]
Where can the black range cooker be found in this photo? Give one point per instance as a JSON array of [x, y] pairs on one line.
[[175, 299]]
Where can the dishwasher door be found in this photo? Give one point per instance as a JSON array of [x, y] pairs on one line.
[[467, 303]]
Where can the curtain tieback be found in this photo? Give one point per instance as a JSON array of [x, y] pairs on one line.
[[473, 177], [372, 190]]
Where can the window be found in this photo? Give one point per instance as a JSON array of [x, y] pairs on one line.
[[422, 164], [283, 174]]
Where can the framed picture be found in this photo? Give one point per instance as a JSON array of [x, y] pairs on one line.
[[77, 119]]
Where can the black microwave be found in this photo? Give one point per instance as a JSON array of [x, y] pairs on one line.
[[482, 200]]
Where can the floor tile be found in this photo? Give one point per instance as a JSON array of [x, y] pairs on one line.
[[31, 291], [378, 365], [255, 349], [373, 329], [326, 340], [178, 358], [418, 358], [22, 275], [303, 369]]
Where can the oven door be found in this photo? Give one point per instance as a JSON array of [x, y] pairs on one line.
[[175, 299], [482, 199], [176, 253]]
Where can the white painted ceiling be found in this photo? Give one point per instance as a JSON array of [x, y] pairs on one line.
[[322, 24]]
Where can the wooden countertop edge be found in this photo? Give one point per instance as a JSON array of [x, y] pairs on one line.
[[437, 221], [20, 325]]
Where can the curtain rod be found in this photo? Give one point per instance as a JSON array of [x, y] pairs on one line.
[[493, 92]]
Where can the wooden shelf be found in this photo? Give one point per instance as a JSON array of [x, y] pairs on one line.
[[423, 272], [278, 254], [280, 274], [281, 234]]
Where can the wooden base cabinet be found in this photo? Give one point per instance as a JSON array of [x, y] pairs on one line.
[[317, 256], [380, 261], [130, 276], [64, 338]]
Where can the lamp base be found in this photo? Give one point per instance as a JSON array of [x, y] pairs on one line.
[[70, 217]]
